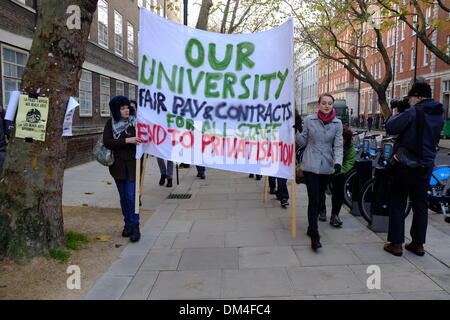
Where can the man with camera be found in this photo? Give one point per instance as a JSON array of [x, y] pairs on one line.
[[418, 121]]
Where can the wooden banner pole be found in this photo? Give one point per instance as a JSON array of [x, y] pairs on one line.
[[266, 186], [293, 211]]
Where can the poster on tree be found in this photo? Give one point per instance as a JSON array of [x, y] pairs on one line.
[[216, 100], [31, 121]]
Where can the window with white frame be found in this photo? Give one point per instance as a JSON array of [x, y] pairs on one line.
[[370, 102], [400, 65], [428, 16], [120, 88], [425, 56], [388, 35], [103, 23], [86, 94], [105, 96], [377, 104], [403, 26], [448, 46], [130, 42], [118, 33], [415, 25], [14, 62], [413, 58]]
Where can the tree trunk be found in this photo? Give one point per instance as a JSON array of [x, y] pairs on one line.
[[223, 28], [385, 110], [233, 17], [202, 22], [31, 221]]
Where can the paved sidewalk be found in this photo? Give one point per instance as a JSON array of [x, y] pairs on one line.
[[224, 243]]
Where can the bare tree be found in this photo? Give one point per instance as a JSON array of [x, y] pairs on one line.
[[202, 22], [31, 221]]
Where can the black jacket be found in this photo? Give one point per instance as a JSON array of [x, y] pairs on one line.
[[124, 154], [2, 135], [404, 124]]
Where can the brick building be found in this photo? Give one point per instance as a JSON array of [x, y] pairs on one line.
[[400, 42], [110, 69]]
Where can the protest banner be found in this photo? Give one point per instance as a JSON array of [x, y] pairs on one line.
[[215, 100]]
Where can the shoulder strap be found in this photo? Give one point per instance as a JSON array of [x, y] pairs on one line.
[[420, 122]]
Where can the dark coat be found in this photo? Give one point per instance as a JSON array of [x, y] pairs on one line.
[[404, 124], [2, 135], [124, 154]]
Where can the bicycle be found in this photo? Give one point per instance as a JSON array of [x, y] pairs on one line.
[[370, 188], [439, 192]]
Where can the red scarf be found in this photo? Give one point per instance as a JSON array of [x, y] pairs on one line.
[[326, 119]]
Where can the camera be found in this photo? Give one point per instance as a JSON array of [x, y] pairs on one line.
[[401, 105]]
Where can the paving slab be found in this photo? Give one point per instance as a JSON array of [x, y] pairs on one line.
[[372, 253], [165, 240], [213, 225], [176, 285], [267, 257], [256, 283], [325, 280], [362, 296], [178, 226], [199, 240], [328, 255], [140, 286], [108, 288], [127, 265], [399, 277], [421, 295], [209, 259], [161, 259], [250, 239]]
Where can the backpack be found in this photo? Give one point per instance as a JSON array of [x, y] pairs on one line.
[[102, 154]]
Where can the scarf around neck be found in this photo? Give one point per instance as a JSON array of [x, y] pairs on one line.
[[326, 119], [122, 125]]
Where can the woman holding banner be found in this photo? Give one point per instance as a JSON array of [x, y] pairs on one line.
[[119, 136], [322, 136]]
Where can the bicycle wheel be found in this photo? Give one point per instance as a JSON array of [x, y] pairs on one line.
[[366, 198], [348, 187]]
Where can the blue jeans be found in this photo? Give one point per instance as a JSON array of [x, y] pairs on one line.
[[201, 170], [163, 170], [127, 191], [282, 190]]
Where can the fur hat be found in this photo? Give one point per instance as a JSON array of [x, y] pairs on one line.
[[116, 103], [420, 89]]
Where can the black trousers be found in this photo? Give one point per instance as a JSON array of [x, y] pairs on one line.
[[315, 185], [415, 183], [282, 189], [337, 197]]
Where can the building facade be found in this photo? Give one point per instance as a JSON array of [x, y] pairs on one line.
[[309, 92], [110, 68], [402, 47]]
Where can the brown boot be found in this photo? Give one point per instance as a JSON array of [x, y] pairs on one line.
[[395, 249], [415, 248]]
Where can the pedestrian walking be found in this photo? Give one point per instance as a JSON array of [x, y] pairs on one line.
[[323, 155], [166, 172], [201, 172], [2, 140], [418, 129], [278, 187], [119, 136], [369, 123]]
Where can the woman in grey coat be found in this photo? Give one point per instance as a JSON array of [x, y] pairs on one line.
[[322, 136]]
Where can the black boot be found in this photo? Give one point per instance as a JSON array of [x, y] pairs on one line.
[[323, 216], [169, 183], [258, 177], [251, 175], [126, 231], [135, 233], [315, 240], [162, 180], [335, 221]]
